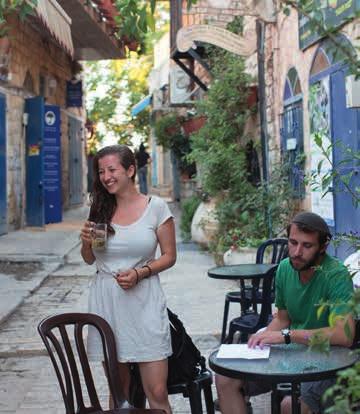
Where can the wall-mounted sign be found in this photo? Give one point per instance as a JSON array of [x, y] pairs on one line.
[[319, 104], [240, 45], [334, 14], [74, 93], [52, 165]]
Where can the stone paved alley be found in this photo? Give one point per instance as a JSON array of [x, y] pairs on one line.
[[27, 380]]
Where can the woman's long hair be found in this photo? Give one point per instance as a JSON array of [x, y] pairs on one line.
[[103, 204]]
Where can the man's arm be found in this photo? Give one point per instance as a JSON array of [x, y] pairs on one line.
[[272, 334], [336, 334]]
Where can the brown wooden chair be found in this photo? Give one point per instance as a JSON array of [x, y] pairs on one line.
[[63, 336]]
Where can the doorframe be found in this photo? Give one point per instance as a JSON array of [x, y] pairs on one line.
[[4, 226]]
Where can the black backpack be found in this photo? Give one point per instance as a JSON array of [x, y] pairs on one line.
[[186, 361]]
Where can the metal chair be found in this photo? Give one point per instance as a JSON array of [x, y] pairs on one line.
[[63, 336], [250, 323], [271, 251]]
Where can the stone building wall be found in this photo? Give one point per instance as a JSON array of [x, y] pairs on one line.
[[32, 54], [287, 54]]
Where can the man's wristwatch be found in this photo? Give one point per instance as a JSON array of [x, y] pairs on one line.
[[286, 334]]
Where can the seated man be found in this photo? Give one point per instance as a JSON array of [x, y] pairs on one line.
[[306, 277]]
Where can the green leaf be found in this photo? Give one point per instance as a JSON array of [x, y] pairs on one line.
[[320, 311], [318, 139], [150, 20], [320, 166]]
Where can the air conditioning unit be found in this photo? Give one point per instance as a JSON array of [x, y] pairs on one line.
[[180, 84]]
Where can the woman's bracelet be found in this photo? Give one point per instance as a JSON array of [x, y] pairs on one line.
[[149, 268], [137, 275]]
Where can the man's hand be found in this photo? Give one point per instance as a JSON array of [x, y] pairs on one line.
[[266, 337]]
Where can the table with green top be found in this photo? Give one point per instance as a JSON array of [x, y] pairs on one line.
[[292, 364], [240, 271]]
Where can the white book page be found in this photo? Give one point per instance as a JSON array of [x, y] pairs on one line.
[[243, 351]]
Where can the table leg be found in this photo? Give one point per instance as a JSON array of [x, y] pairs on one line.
[[295, 398], [275, 401]]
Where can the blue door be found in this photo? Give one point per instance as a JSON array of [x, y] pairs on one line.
[[292, 146], [35, 214], [3, 220], [75, 161], [346, 129], [52, 165]]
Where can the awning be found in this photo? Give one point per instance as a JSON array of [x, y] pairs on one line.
[[140, 106], [57, 22]]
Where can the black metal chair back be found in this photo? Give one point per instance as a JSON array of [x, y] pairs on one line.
[[250, 323], [64, 338], [275, 249], [270, 251]]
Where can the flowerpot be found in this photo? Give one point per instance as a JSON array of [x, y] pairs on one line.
[[193, 124], [133, 45], [204, 224]]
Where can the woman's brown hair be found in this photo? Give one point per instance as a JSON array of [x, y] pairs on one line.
[[103, 204]]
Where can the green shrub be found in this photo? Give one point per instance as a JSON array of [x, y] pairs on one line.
[[188, 208]]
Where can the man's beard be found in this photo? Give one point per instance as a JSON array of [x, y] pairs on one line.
[[309, 264]]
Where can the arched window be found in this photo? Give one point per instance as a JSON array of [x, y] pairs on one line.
[[292, 85], [331, 52], [292, 144]]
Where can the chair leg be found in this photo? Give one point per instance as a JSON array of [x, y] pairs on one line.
[[225, 318], [195, 399], [209, 402]]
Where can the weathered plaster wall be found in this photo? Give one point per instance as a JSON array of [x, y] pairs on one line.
[[31, 56]]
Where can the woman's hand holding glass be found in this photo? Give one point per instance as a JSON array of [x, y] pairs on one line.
[[127, 279], [86, 233]]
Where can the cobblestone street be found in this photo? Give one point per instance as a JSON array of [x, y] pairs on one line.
[[27, 380]]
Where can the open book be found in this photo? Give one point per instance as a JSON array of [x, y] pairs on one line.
[[242, 351]]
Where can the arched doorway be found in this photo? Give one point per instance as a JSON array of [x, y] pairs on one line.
[[292, 137], [336, 126]]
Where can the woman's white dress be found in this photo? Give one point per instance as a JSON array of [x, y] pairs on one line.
[[138, 316]]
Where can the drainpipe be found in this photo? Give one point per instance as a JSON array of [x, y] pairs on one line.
[[260, 35]]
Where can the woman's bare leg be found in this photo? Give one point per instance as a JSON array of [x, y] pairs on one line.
[[154, 379]]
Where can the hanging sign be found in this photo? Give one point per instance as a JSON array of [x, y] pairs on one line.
[[332, 14], [240, 45], [74, 93]]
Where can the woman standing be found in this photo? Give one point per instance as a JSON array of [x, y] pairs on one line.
[[127, 291]]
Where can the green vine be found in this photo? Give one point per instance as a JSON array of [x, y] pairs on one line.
[[21, 7]]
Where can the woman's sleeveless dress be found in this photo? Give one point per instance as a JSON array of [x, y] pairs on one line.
[[138, 316]]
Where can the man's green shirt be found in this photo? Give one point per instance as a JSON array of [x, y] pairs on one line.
[[331, 283]]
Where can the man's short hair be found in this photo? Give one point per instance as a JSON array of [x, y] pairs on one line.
[[309, 222]]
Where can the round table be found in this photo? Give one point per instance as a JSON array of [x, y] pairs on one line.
[[240, 271], [292, 363]]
